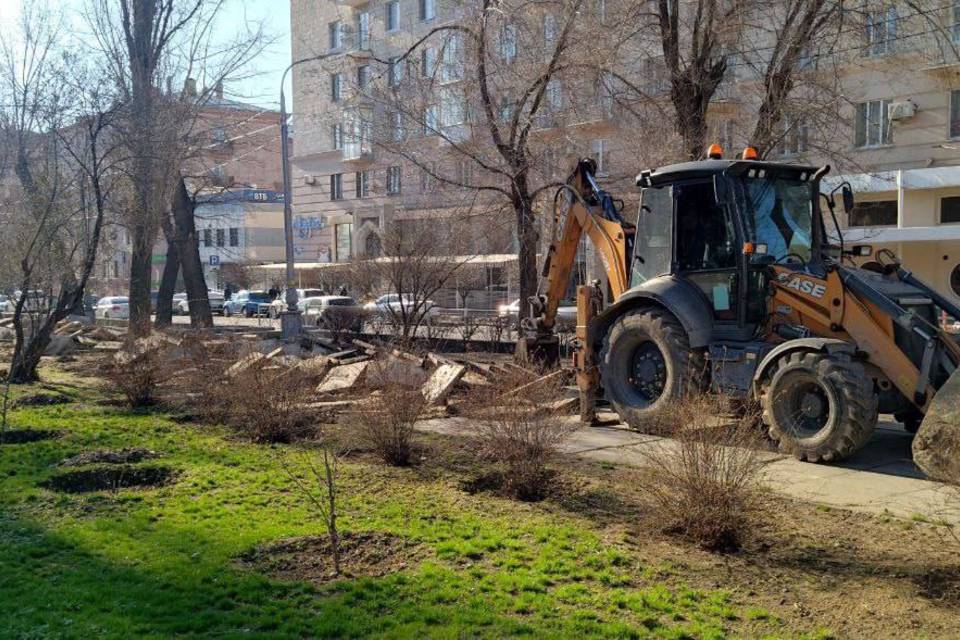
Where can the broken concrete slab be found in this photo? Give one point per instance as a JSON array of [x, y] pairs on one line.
[[60, 345], [108, 345], [440, 384], [561, 406], [315, 366], [343, 377], [472, 379], [243, 364], [936, 447]]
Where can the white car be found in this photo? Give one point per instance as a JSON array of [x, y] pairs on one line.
[[181, 304], [396, 305], [565, 313], [6, 304], [112, 307], [280, 304], [332, 310]]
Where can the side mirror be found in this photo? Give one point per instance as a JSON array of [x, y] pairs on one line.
[[848, 201], [720, 191]]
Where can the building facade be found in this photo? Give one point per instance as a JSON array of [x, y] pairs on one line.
[[885, 113]]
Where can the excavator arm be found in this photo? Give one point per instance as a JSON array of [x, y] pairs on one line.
[[581, 208]]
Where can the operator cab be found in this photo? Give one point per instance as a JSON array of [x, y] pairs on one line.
[[718, 223]]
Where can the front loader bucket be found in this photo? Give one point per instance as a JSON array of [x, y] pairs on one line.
[[936, 447]]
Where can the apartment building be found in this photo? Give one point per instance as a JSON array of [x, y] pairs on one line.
[[893, 130]]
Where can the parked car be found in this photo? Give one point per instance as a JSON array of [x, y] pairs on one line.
[[332, 312], [112, 307], [36, 301], [277, 306], [181, 304], [565, 313], [6, 304], [393, 304], [247, 303]]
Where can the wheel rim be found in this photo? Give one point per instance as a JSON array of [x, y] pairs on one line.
[[805, 406], [648, 371]]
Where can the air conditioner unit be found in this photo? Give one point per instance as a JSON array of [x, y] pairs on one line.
[[902, 110], [310, 180]]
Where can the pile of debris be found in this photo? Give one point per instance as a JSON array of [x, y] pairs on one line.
[[72, 334]]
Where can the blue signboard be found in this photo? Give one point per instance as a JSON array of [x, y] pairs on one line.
[[262, 196], [214, 260]]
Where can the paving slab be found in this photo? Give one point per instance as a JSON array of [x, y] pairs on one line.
[[881, 482]]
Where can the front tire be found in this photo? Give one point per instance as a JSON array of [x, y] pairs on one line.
[[819, 407], [247, 312], [646, 364]]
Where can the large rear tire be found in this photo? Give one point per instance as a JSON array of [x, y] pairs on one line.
[[819, 407], [646, 363]]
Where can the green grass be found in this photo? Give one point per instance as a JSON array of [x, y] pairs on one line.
[[161, 562]]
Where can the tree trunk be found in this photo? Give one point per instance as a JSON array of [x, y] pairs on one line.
[[189, 249], [526, 252], [26, 358], [140, 281], [168, 283]]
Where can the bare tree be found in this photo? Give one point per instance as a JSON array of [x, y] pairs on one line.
[[143, 43], [321, 489], [59, 117]]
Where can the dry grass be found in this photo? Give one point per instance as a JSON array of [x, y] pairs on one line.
[[704, 480], [521, 430]]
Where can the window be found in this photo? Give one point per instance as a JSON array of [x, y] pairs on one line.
[[394, 179], [431, 120], [363, 76], [221, 237], [654, 237], [208, 237], [344, 240], [428, 62], [955, 113], [955, 280], [508, 42], [554, 95], [955, 21], [428, 180], [336, 83], [393, 15], [452, 109], [336, 136], [794, 140], [336, 186], [451, 69], [873, 124], [363, 30], [363, 184], [428, 9], [881, 31], [598, 151], [949, 210], [506, 110], [396, 122], [219, 134], [704, 232], [549, 33], [395, 72], [234, 237], [781, 216], [465, 172], [336, 34], [874, 214]]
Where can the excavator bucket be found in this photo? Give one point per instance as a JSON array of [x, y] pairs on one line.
[[936, 447]]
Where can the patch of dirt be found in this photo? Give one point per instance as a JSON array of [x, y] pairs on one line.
[[26, 436], [41, 400], [106, 456], [940, 585], [362, 554], [109, 478], [487, 482]]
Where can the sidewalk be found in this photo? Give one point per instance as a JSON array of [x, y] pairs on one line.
[[880, 479]]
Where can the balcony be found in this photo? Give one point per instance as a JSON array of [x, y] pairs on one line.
[[358, 154]]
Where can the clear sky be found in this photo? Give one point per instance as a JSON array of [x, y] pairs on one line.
[[262, 86]]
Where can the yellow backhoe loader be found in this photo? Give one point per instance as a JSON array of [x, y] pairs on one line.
[[728, 281]]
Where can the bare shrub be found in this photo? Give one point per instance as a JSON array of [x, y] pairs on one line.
[[321, 490], [385, 423], [704, 479], [140, 368], [341, 322], [267, 404], [520, 429], [468, 326]]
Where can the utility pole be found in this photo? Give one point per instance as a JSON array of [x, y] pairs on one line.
[[291, 324]]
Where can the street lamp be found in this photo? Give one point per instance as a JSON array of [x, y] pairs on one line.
[[290, 321]]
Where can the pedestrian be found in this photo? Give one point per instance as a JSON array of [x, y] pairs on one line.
[[343, 290]]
